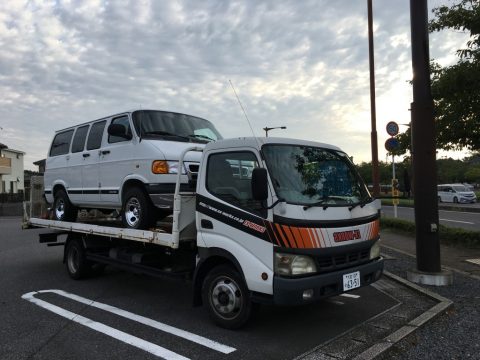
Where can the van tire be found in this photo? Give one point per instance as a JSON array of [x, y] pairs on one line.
[[455, 200], [439, 199], [137, 210], [226, 297], [63, 209]]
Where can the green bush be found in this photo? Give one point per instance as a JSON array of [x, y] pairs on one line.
[[447, 235]]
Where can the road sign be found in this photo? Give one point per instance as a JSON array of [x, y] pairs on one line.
[[392, 144], [392, 128]]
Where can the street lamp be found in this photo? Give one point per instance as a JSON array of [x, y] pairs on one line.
[[267, 129]]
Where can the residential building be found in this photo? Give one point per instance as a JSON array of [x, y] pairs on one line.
[[11, 170]]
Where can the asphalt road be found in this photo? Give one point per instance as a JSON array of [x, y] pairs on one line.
[[459, 219], [137, 316]]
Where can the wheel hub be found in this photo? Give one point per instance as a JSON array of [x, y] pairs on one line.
[[60, 209], [133, 212], [226, 298]]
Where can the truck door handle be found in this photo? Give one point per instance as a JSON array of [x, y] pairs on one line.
[[105, 152], [86, 155], [206, 224]]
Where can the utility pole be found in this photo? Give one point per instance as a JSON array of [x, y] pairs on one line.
[[424, 156], [267, 129], [373, 111]]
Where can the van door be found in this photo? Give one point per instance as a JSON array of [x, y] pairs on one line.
[[58, 162], [90, 169], [116, 162], [76, 163]]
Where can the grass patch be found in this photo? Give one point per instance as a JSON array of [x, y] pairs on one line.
[[401, 202], [447, 235]]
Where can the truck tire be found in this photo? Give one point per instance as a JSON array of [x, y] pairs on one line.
[[77, 265], [227, 298], [63, 209], [137, 210]]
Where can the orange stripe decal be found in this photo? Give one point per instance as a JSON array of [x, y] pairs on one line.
[[290, 237], [285, 241], [298, 237]]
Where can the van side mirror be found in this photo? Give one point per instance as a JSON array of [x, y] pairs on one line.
[[260, 184], [119, 130]]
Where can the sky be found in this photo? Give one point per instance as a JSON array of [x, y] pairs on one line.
[[299, 64]]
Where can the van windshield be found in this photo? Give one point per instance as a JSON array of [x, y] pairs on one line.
[[173, 126], [313, 176]]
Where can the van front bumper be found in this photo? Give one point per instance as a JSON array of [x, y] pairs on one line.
[[290, 291]]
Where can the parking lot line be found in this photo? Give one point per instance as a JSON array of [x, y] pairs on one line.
[[458, 221], [104, 329], [353, 296], [131, 316]]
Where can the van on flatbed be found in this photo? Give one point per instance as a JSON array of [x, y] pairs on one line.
[[271, 221]]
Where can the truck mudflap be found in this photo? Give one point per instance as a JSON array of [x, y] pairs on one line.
[[300, 291]]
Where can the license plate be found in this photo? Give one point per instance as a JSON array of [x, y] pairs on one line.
[[351, 281]]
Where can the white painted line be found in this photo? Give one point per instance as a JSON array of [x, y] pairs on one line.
[[104, 329], [146, 321], [473, 261], [458, 221], [353, 296], [336, 302]]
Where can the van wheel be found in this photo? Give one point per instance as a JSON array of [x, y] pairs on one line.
[[439, 199], [77, 266], [455, 200], [63, 209], [137, 211], [227, 297]]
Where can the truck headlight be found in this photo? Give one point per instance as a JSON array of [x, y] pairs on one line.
[[291, 264], [375, 250]]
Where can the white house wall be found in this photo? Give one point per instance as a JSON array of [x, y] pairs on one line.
[[17, 171]]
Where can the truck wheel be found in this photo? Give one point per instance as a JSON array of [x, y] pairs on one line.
[[63, 209], [227, 297], [137, 211], [77, 266]]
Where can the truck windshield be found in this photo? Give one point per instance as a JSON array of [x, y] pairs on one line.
[[174, 126], [310, 176]]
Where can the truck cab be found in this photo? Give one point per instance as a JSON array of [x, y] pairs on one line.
[[293, 217]]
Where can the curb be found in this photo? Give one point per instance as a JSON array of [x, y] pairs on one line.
[[379, 348]]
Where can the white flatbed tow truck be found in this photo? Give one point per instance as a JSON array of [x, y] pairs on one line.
[[272, 220]]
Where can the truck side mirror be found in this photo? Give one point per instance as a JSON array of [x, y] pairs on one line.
[[118, 130], [260, 184]]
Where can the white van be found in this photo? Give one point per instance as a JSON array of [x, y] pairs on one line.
[[456, 193], [125, 162]]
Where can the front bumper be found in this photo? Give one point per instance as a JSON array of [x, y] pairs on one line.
[[162, 194], [289, 291]]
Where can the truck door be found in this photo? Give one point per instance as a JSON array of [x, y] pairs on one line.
[[229, 218]]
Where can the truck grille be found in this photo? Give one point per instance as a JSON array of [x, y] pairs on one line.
[[340, 261]]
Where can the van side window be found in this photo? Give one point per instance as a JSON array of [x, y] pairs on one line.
[[95, 136], [122, 121], [61, 143], [78, 143], [229, 177]]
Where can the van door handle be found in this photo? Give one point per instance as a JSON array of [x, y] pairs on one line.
[[206, 224], [105, 152], [86, 155]]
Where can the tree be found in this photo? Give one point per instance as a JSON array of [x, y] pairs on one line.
[[456, 88]]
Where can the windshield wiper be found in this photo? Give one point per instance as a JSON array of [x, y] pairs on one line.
[[159, 132], [201, 137], [320, 202], [361, 203]]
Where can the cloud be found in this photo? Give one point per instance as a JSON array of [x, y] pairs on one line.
[[302, 64]]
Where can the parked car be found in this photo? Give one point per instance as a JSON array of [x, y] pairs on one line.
[[125, 162], [456, 193]]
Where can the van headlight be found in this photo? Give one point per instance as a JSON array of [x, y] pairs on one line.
[[291, 264], [166, 167], [375, 250]]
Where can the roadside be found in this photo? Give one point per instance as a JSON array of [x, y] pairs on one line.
[[454, 334], [475, 207]]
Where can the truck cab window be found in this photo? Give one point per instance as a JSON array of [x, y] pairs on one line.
[[229, 177]]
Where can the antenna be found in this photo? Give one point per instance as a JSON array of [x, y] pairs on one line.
[[243, 110]]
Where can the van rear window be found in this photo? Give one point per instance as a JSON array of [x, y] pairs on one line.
[[61, 143]]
